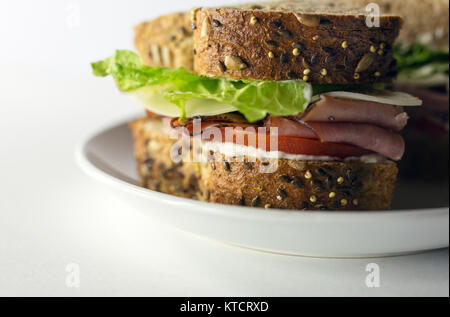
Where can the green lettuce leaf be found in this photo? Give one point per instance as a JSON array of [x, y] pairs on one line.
[[254, 99]]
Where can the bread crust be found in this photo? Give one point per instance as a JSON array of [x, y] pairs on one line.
[[166, 41], [152, 146], [280, 45], [304, 185]]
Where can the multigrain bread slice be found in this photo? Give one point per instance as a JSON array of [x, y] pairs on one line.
[[320, 41], [425, 21], [302, 185], [152, 146], [166, 41]]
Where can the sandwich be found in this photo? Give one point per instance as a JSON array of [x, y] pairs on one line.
[[286, 105], [422, 53]]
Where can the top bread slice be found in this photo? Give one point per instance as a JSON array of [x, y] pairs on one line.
[[166, 41], [319, 41]]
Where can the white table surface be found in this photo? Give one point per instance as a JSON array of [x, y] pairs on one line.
[[52, 215]]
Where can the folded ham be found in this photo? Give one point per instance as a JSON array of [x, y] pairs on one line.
[[366, 136], [329, 109], [291, 127]]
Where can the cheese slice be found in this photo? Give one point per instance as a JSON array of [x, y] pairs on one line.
[[156, 103], [395, 98]]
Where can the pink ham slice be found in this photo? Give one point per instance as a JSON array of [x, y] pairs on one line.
[[290, 127], [366, 136], [329, 109]]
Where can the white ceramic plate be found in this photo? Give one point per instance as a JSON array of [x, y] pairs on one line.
[[107, 156]]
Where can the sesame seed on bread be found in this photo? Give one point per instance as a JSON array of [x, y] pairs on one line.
[[301, 185]]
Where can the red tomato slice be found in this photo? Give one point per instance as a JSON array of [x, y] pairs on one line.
[[297, 145]]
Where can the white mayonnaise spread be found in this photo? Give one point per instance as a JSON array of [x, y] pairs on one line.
[[235, 150]]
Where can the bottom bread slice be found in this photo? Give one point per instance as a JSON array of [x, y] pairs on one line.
[[310, 185], [293, 184]]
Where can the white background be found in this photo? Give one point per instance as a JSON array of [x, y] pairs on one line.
[[52, 215]]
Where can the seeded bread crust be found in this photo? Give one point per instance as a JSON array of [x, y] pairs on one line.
[[309, 40], [303, 185], [152, 145], [166, 41]]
